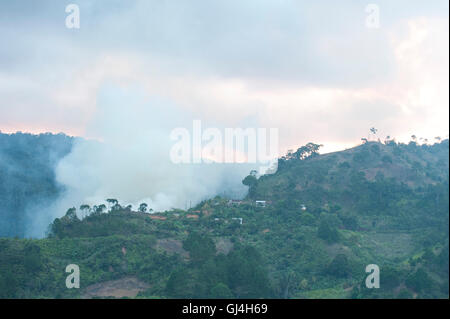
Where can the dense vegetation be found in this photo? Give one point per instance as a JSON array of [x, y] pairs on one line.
[[325, 218], [27, 178]]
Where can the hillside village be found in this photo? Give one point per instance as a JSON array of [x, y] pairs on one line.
[[211, 207]]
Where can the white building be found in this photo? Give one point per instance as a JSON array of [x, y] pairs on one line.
[[260, 203], [239, 219]]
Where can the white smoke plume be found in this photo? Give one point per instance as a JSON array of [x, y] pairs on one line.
[[130, 161]]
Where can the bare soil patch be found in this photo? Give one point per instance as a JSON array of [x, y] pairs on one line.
[[172, 246], [124, 287]]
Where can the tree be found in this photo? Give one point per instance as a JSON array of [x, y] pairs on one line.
[[200, 247], [250, 181], [419, 280], [32, 258], [350, 221], [8, 284], [327, 232], [247, 276], [306, 151], [339, 267], [71, 214], [313, 148], [221, 291], [286, 280], [391, 278], [56, 228], [181, 284], [85, 209], [116, 207], [307, 219], [143, 207], [112, 202]]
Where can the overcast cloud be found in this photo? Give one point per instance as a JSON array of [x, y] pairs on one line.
[[312, 69]]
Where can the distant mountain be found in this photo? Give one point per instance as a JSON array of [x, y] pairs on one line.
[[27, 176]]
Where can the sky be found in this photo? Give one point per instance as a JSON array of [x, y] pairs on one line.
[[312, 69]]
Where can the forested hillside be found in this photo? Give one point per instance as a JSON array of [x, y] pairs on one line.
[[307, 231], [27, 178]]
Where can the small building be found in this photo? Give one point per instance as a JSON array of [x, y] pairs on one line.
[[239, 219], [157, 217], [234, 202], [303, 207], [192, 216], [260, 203]]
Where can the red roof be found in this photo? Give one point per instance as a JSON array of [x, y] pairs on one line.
[[158, 217]]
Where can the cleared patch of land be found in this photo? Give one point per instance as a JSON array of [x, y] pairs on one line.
[[223, 245], [124, 287], [172, 246]]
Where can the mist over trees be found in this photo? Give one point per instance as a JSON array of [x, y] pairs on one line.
[[27, 177]]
